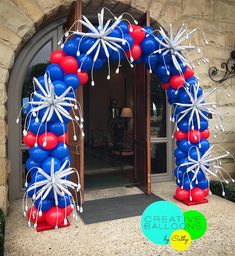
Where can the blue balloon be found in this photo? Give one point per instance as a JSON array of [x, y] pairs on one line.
[[31, 164], [186, 183], [99, 63], [172, 95], [148, 45], [184, 145], [86, 44], [115, 56], [57, 128], [124, 27], [33, 191], [41, 81], [200, 175], [85, 62], [72, 80], [36, 127], [174, 71], [163, 71], [46, 165], [63, 201], [184, 164], [203, 184], [60, 87], [152, 60], [130, 41], [36, 177], [55, 71], [116, 33], [53, 118], [178, 173], [44, 205], [60, 151], [203, 145], [148, 30], [38, 154], [203, 125], [71, 47], [77, 38], [67, 158], [179, 154], [177, 111], [192, 81], [184, 125], [166, 57], [102, 53], [193, 154], [184, 98]]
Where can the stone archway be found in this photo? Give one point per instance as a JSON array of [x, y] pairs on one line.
[[21, 19]]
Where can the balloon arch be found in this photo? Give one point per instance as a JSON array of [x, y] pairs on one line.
[[53, 104]]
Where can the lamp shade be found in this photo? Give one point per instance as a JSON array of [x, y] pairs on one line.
[[126, 112]]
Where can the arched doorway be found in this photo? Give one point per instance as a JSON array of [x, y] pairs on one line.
[[37, 51]]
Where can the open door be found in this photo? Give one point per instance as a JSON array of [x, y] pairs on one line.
[[142, 122], [76, 147]]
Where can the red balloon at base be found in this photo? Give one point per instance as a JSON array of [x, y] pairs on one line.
[[137, 33], [205, 134], [182, 194], [68, 210], [188, 73], [64, 138], [48, 140], [176, 82], [55, 216], [194, 136], [179, 135], [135, 52], [206, 192], [33, 215], [30, 139], [197, 194]]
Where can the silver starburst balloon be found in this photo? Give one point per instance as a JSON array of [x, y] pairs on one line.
[[209, 163], [103, 39], [178, 46], [51, 104], [56, 182]]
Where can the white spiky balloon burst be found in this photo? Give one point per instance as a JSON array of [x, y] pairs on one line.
[[178, 46], [57, 183], [52, 104], [209, 163], [197, 109], [103, 39]]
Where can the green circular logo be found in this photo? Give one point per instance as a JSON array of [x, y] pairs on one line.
[[195, 224]]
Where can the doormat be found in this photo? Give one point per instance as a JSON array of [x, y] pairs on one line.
[[116, 207]]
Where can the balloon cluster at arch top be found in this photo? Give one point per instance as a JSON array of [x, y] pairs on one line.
[[83, 53]]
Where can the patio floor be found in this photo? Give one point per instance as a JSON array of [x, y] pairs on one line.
[[123, 236]]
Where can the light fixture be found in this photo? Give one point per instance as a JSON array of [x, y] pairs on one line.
[[126, 112], [228, 68]]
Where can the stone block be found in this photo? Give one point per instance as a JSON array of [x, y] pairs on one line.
[[3, 170], [223, 99], [2, 150], [3, 112], [156, 8], [4, 198], [200, 8], [9, 38], [224, 11], [4, 75], [31, 9], [7, 56], [141, 5], [170, 14], [16, 20], [3, 94], [3, 133], [230, 41]]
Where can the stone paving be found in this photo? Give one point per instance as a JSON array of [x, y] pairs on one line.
[[120, 237]]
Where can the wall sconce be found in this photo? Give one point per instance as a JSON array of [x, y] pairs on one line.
[[228, 67]]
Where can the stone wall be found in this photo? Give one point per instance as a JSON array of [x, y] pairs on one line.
[[20, 19]]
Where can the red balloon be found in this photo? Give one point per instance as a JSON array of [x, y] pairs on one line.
[[206, 192], [33, 215], [194, 136], [29, 139], [182, 194], [64, 138], [197, 194], [138, 34], [48, 140], [135, 52], [55, 216], [57, 56], [69, 65], [83, 77], [180, 135], [188, 73], [176, 81], [68, 210], [205, 134], [164, 86]]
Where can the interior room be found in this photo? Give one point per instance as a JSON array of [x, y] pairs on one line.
[[108, 111]]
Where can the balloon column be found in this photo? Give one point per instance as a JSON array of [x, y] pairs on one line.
[[53, 104]]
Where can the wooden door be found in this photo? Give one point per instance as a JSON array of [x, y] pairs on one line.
[[142, 122], [76, 147]]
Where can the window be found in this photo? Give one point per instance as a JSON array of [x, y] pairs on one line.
[[161, 142]]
